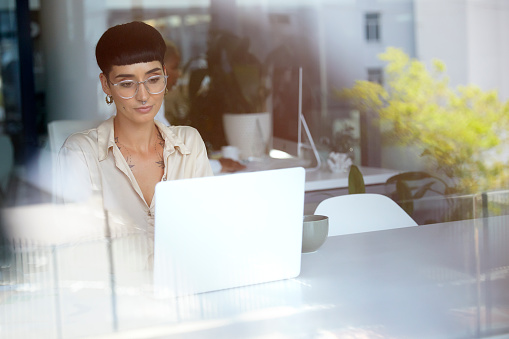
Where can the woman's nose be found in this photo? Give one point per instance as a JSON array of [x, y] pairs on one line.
[[142, 94]]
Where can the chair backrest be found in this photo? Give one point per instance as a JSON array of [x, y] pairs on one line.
[[58, 132], [357, 213]]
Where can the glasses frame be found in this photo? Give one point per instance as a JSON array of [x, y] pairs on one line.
[[138, 85]]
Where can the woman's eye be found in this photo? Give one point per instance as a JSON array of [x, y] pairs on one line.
[[154, 80], [127, 84]]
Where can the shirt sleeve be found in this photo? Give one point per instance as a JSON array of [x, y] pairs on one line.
[[203, 167], [74, 182], [216, 166]]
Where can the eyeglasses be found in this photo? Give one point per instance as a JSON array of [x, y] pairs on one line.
[[127, 89]]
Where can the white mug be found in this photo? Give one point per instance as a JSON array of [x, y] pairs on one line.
[[230, 152]]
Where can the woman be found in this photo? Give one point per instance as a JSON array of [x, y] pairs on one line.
[[127, 155]]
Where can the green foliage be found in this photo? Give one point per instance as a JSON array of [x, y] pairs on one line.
[[407, 187], [233, 81], [355, 181], [461, 130], [236, 75]]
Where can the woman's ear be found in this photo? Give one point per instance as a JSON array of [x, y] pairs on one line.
[[105, 84]]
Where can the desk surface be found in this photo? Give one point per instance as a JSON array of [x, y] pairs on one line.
[[448, 280], [324, 179]]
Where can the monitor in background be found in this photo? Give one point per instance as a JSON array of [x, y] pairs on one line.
[[287, 118], [286, 110]]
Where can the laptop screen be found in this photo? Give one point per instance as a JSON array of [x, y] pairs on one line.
[[220, 232]]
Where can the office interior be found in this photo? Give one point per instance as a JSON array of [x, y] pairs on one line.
[[49, 73]]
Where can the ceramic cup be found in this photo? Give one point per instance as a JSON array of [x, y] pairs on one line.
[[230, 152], [314, 232]]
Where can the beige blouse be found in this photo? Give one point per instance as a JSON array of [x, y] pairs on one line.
[[90, 161]]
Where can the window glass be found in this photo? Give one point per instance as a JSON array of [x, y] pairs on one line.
[[375, 75], [372, 26], [9, 71]]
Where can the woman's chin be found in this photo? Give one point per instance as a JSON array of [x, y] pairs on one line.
[[138, 118]]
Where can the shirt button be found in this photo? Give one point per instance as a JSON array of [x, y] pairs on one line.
[[149, 213]]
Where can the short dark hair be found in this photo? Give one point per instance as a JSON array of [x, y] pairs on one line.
[[127, 44]]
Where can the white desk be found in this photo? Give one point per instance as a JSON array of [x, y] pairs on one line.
[[326, 180], [323, 184], [448, 280]]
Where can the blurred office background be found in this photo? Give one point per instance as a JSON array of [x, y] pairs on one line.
[[49, 72]]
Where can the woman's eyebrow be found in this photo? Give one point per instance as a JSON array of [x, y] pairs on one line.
[[154, 70], [124, 76], [132, 75]]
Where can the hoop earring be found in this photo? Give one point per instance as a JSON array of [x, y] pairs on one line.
[[109, 99]]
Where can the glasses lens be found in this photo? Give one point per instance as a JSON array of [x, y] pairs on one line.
[[155, 84], [127, 88]]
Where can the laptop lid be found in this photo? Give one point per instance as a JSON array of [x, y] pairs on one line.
[[220, 232]]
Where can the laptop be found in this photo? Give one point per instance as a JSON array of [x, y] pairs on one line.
[[221, 232]]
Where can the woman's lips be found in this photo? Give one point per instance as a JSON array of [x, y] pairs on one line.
[[144, 109]]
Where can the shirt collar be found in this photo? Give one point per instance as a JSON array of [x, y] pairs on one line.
[[171, 140], [106, 138]]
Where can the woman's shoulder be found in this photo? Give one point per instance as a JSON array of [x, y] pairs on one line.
[[84, 139], [183, 129], [184, 132]]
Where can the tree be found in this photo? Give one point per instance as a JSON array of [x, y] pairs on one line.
[[463, 131]]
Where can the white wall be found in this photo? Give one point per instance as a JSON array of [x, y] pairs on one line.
[[503, 20], [348, 53], [440, 30], [470, 36], [485, 41]]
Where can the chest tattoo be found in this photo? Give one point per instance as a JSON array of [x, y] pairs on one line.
[[160, 141], [129, 158], [126, 154]]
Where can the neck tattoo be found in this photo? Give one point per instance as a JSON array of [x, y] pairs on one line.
[[128, 157]]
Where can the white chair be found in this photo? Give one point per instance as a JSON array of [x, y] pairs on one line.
[[357, 213], [58, 132]]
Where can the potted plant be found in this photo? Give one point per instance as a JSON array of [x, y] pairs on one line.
[[341, 149], [231, 92], [461, 132], [355, 181]]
